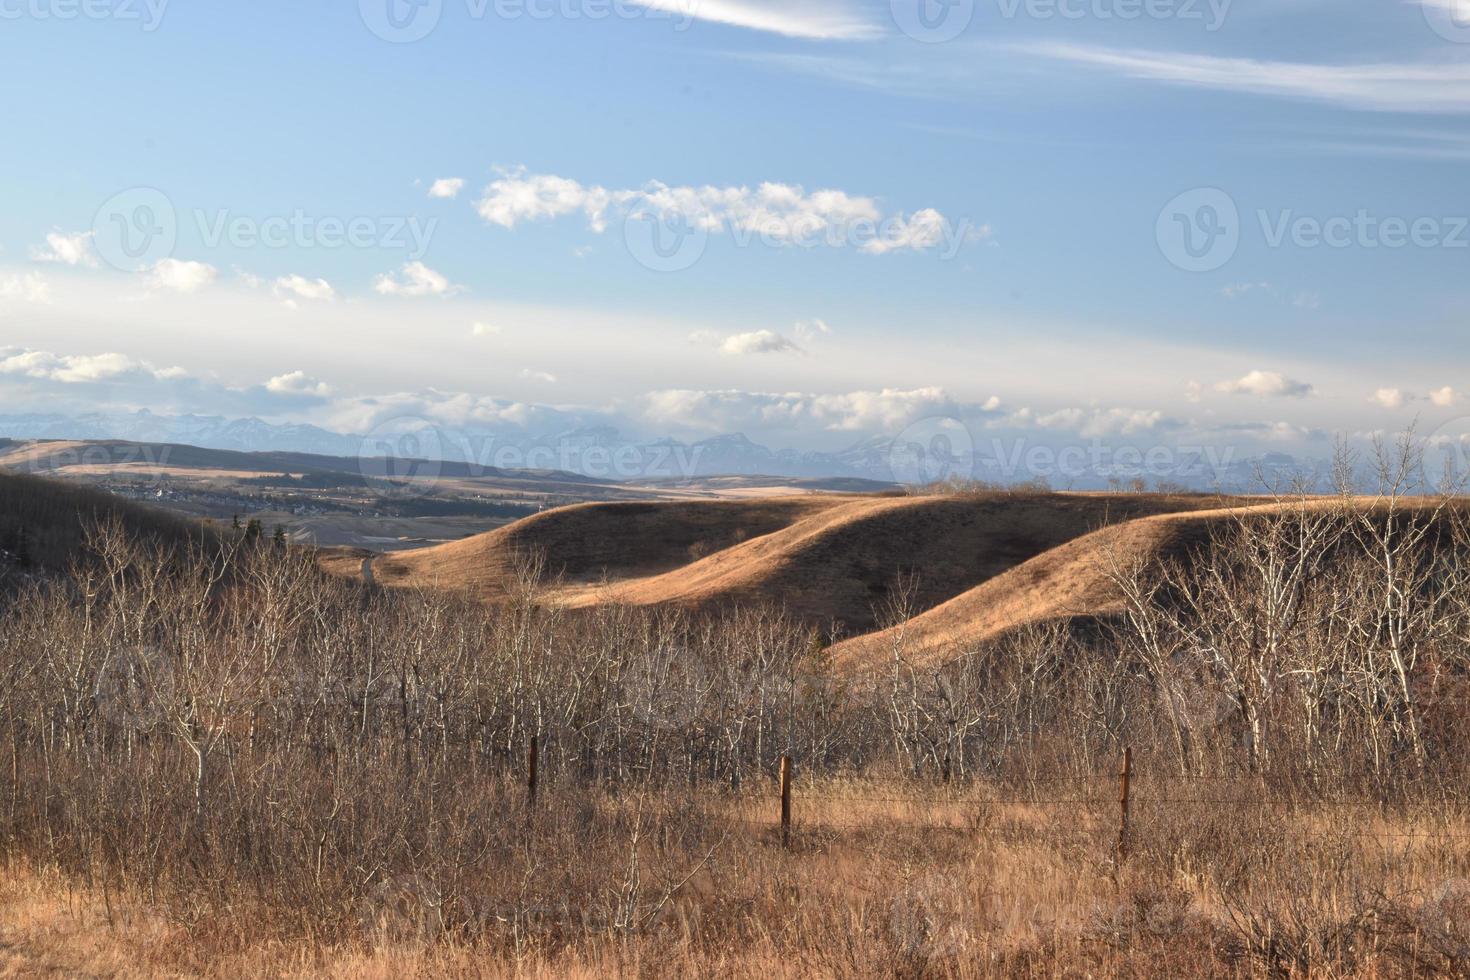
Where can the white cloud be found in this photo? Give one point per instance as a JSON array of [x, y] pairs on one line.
[[447, 187], [79, 369], [31, 287], [180, 276], [758, 342], [1266, 384], [783, 214], [486, 329], [888, 410], [416, 279], [75, 249], [303, 288], [926, 229], [517, 197], [1391, 398], [1387, 87], [822, 20], [1397, 398], [298, 383], [541, 376]]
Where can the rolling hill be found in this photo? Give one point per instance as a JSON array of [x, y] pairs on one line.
[[828, 559], [585, 542], [1072, 582]]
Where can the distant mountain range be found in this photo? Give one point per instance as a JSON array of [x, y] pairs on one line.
[[204, 431], [604, 453]]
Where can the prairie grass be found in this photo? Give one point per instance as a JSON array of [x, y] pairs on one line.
[[968, 884]]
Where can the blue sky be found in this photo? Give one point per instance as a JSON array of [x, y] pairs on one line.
[[990, 214]]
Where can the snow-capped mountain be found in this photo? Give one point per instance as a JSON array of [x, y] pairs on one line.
[[605, 453]]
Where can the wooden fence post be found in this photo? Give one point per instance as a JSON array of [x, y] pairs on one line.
[[786, 801], [1124, 798]]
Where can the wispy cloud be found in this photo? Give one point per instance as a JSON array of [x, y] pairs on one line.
[[1394, 142], [892, 74], [822, 20], [1420, 87]]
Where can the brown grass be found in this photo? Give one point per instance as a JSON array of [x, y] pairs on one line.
[[829, 560], [1072, 582], [585, 542], [963, 884]]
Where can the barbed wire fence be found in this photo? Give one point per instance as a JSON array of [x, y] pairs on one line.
[[965, 809]]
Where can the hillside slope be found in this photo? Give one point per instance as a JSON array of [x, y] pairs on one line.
[[830, 560], [586, 542], [1071, 582], [43, 522]]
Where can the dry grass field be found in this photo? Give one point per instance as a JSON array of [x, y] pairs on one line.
[[554, 750], [980, 882]]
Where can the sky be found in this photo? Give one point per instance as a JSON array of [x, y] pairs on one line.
[[811, 221]]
